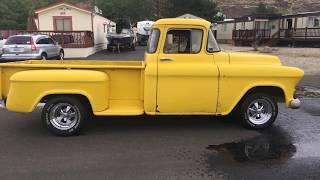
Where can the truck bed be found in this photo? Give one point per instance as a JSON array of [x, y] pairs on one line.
[[126, 80], [77, 64]]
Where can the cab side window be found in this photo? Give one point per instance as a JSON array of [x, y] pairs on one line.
[[183, 41]]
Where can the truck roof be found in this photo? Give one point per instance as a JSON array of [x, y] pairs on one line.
[[182, 21]]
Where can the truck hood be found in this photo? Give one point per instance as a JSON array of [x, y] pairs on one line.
[[253, 59]]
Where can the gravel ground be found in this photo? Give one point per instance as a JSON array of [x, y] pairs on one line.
[[307, 59]]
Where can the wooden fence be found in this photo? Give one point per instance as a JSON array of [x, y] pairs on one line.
[[67, 39]]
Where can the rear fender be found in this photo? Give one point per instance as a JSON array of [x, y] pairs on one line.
[[27, 88]]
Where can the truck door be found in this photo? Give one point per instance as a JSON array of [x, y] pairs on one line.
[[187, 74]]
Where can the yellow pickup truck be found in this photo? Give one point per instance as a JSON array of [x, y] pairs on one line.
[[184, 73]]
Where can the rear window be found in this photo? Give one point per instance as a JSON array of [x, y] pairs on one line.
[[19, 40]]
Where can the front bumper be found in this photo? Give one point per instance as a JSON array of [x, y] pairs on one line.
[[2, 104], [295, 104], [12, 57]]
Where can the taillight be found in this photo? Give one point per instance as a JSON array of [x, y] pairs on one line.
[[33, 46]]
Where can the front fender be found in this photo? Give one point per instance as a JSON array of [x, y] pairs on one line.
[[27, 88], [236, 80]]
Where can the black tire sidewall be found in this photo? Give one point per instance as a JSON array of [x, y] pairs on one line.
[[247, 101], [44, 56], [75, 130], [59, 58]]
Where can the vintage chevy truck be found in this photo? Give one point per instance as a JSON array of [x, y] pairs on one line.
[[184, 73]]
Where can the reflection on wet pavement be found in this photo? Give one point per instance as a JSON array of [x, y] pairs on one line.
[[272, 144]]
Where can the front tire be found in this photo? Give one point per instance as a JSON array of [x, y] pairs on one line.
[[64, 115], [258, 111]]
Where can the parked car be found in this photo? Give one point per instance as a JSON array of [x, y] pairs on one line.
[[184, 73], [25, 47], [2, 41]]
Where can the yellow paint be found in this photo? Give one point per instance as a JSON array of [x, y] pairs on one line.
[[202, 83]]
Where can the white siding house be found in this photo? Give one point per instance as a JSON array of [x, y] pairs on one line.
[[81, 31], [286, 29]]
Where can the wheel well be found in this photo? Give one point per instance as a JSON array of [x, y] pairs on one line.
[[44, 53], [82, 98], [276, 92]]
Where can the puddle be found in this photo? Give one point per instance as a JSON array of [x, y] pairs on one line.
[[272, 145]]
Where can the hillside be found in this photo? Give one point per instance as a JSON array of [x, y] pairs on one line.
[[238, 8]]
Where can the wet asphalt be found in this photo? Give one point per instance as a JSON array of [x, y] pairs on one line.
[[166, 147]]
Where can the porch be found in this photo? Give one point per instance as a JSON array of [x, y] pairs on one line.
[[303, 34], [297, 36], [247, 37], [67, 39]]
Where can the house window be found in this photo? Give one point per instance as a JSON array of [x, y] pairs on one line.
[[316, 23], [63, 23]]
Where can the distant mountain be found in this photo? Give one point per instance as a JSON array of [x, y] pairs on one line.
[[238, 8]]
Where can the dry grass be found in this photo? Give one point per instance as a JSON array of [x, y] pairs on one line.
[[307, 59]]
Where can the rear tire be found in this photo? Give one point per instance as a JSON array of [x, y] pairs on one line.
[[65, 115], [61, 55], [44, 56], [258, 111]]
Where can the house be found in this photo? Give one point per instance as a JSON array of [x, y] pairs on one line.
[[294, 29], [80, 30]]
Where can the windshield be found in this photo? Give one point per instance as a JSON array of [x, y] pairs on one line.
[[212, 45], [153, 41]]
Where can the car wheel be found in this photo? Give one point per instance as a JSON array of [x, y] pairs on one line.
[[61, 55], [258, 111], [44, 56], [65, 116]]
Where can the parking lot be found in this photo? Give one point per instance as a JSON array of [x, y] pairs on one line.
[[169, 147]]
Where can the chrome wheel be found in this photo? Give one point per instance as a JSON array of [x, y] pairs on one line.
[[64, 116], [259, 111]]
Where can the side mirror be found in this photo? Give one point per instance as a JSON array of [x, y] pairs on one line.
[[56, 43]]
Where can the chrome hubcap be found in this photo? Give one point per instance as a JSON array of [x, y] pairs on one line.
[[64, 116], [61, 56], [259, 111]]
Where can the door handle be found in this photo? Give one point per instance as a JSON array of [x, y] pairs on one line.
[[166, 59]]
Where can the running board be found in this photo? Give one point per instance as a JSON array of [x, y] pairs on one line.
[[123, 108]]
